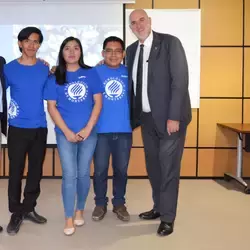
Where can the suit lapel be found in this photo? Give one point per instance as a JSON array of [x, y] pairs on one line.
[[132, 57], [154, 53], [131, 63]]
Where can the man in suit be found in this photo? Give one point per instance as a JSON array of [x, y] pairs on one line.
[[3, 106], [160, 104]]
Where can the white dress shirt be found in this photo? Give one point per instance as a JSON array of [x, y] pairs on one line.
[[146, 51]]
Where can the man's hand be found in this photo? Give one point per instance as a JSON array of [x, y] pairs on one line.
[[52, 70], [172, 126], [84, 133], [100, 63]]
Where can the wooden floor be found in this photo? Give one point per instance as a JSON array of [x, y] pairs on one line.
[[211, 216]]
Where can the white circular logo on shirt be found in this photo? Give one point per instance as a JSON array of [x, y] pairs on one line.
[[76, 91], [13, 109], [114, 89]]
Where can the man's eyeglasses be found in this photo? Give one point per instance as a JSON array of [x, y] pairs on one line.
[[111, 51]]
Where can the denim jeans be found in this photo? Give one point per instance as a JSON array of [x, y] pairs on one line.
[[75, 161], [118, 145]]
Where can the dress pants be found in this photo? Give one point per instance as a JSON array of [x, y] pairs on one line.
[[163, 161], [22, 142]]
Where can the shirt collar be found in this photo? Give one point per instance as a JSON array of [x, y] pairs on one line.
[[148, 42]]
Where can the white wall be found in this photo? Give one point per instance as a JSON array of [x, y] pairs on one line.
[[185, 24]]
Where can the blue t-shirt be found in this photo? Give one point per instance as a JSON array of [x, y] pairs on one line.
[[26, 109], [115, 114], [74, 99]]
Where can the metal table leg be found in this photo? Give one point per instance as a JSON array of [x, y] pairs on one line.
[[238, 178]]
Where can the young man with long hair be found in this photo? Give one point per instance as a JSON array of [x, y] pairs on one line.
[[26, 77]]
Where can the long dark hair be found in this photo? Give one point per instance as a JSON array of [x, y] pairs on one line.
[[61, 68]]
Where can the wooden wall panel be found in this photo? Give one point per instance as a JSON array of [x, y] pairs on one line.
[[247, 72], [247, 22], [191, 138], [247, 111], [218, 111], [48, 166], [221, 72], [221, 22], [58, 169], [137, 138], [188, 164], [137, 163], [215, 162], [145, 4], [246, 164], [176, 4]]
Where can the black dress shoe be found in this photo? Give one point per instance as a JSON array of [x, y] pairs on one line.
[[165, 228], [35, 217], [150, 215], [1, 229], [14, 224]]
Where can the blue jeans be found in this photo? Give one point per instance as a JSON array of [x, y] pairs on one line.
[[118, 145], [75, 161]]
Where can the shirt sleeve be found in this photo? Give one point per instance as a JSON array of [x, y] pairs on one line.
[[50, 93], [96, 85]]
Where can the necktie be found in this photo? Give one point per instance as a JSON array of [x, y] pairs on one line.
[[139, 76]]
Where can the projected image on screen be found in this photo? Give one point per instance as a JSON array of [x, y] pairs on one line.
[[91, 37]]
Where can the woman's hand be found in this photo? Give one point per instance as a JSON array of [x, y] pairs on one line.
[[71, 136], [84, 133]]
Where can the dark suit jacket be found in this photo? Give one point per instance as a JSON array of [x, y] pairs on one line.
[[167, 82], [4, 114]]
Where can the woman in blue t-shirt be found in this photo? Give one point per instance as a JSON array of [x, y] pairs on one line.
[[74, 96]]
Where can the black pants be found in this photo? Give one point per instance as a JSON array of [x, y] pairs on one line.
[[163, 161], [23, 141]]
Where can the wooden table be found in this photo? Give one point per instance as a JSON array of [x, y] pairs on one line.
[[241, 130]]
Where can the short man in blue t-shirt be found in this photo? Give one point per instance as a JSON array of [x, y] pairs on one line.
[[114, 131], [26, 78]]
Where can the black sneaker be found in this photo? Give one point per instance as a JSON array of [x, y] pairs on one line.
[[35, 217], [121, 212], [99, 213], [1, 229], [14, 224]]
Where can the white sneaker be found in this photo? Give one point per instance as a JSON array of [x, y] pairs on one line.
[[69, 231], [79, 222]]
